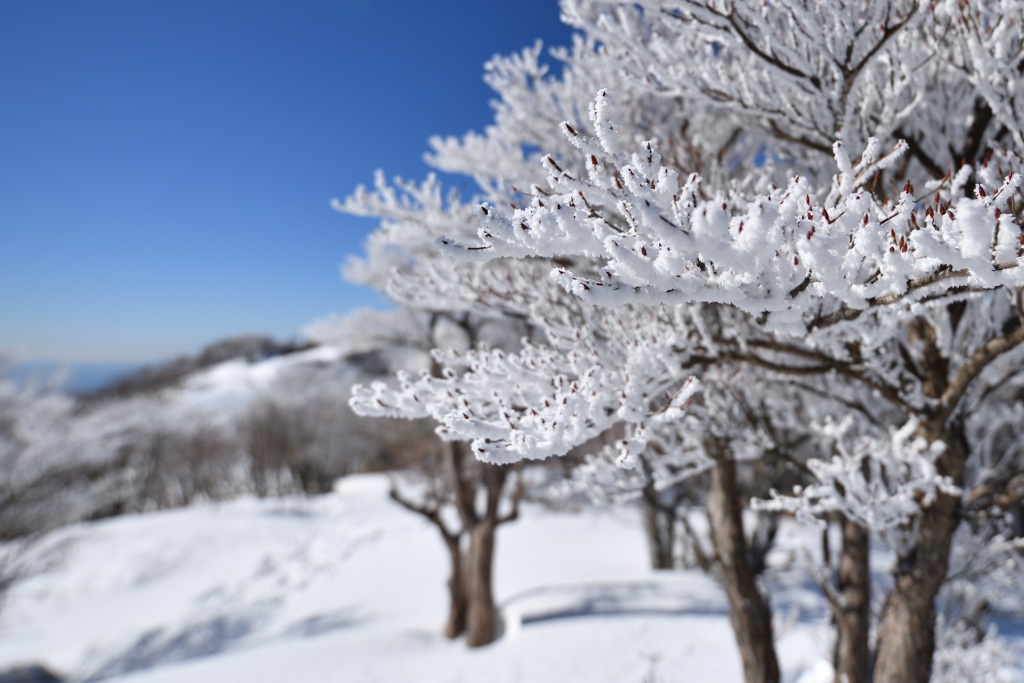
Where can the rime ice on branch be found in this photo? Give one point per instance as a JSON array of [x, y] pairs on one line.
[[821, 198]]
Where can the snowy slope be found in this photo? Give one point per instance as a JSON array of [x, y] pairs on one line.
[[224, 391], [349, 587], [227, 388]]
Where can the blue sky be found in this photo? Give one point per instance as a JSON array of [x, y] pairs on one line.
[[166, 166]]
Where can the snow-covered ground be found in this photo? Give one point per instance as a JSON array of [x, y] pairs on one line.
[[349, 587]]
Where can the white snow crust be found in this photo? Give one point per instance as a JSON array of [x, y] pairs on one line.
[[350, 587]]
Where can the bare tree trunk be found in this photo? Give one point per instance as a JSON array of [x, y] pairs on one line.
[[762, 540], [481, 616], [906, 635], [852, 615], [659, 524], [749, 611], [471, 608], [456, 624]]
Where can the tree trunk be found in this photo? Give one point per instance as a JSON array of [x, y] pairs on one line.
[[456, 624], [481, 616], [906, 635], [853, 619], [660, 526], [749, 611]]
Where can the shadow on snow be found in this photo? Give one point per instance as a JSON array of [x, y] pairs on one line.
[[212, 636], [606, 599]]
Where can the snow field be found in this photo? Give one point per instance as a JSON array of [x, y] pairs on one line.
[[348, 587]]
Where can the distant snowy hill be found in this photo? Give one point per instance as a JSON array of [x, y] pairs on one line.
[[225, 389], [247, 415], [148, 378], [105, 380]]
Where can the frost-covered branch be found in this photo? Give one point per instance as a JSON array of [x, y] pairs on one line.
[[880, 483]]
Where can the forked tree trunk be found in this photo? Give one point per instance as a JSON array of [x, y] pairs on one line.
[[481, 616], [749, 611], [471, 608], [853, 651], [906, 635]]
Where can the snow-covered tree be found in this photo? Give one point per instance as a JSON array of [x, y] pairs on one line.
[[824, 195], [464, 499]]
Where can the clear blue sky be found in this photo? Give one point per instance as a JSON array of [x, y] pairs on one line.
[[166, 166]]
